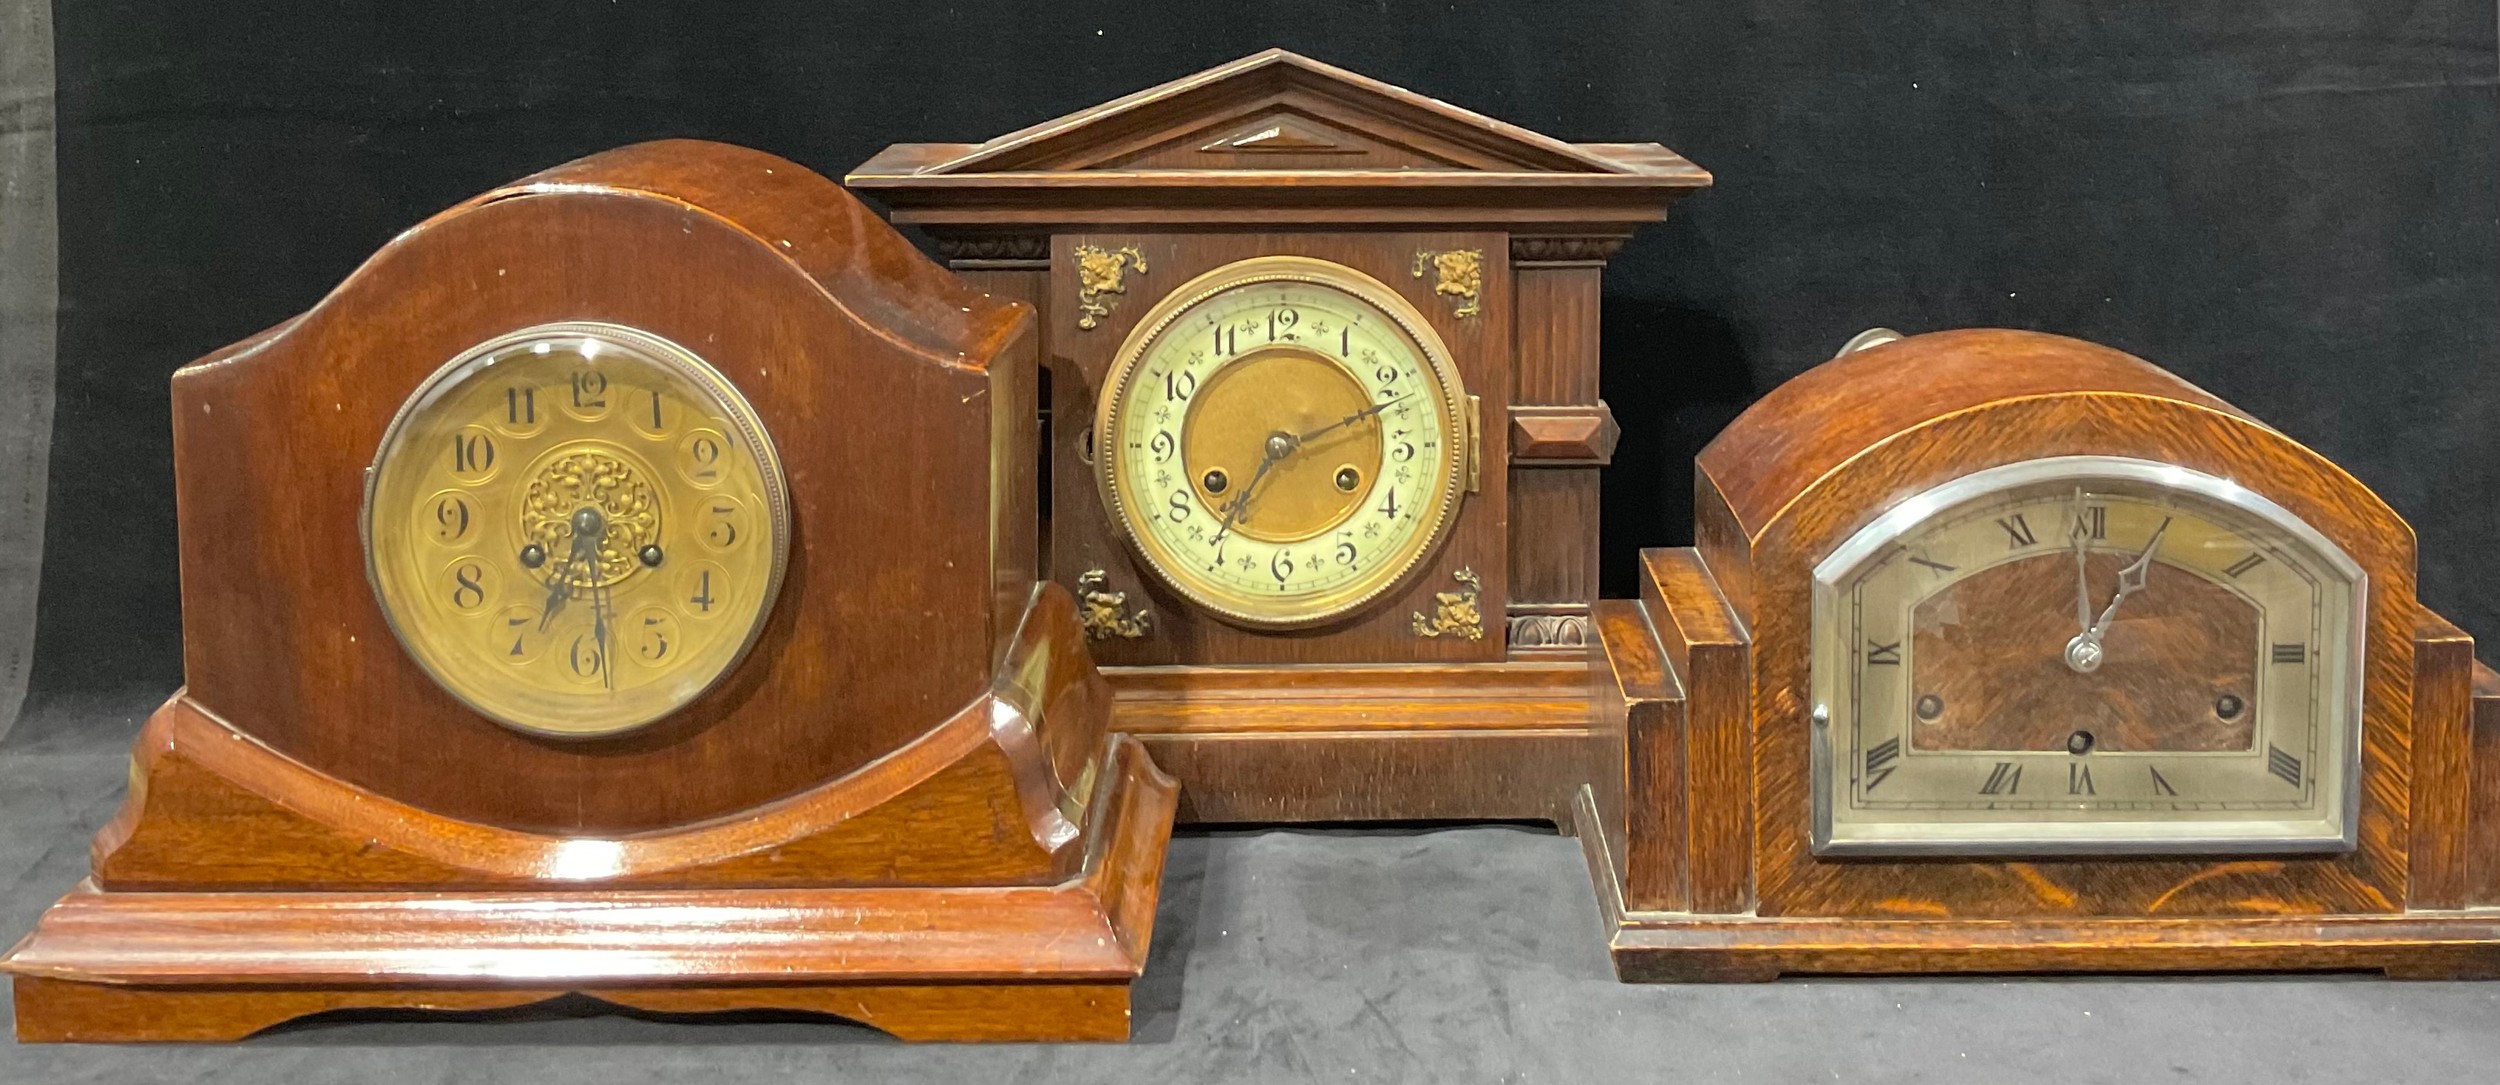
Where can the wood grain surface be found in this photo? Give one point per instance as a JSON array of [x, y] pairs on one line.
[[879, 376], [2482, 811], [1279, 154], [65, 1012], [976, 963], [2167, 663], [1819, 458], [211, 808], [2418, 945], [905, 805], [1363, 743], [1196, 151]]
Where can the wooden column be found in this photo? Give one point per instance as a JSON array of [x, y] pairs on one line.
[[1561, 434]]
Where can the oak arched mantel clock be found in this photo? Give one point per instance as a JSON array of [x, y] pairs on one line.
[[1324, 432], [622, 584], [2000, 651]]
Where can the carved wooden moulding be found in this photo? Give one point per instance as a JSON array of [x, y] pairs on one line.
[[1324, 429], [699, 661], [2000, 651]]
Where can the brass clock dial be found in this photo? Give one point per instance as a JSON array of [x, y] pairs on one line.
[[1283, 440], [2086, 655], [576, 529]]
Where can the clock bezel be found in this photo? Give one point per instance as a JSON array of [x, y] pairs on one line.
[[1458, 425], [676, 358], [2076, 839]]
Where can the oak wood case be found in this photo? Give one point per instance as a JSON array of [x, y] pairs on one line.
[[1698, 816], [1279, 154], [916, 743]]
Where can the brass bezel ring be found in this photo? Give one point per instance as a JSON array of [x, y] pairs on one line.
[[1324, 607], [716, 387]]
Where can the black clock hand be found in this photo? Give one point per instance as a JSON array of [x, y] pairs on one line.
[[1349, 420], [587, 528], [560, 582], [559, 589], [599, 625], [1279, 446]]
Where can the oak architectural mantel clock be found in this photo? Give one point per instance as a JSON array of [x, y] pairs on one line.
[[622, 584], [1324, 429], [2000, 651]]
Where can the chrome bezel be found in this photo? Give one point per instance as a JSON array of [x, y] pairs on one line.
[[2335, 831]]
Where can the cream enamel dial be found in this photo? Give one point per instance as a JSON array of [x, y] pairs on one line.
[[1283, 440], [2086, 655], [576, 529]]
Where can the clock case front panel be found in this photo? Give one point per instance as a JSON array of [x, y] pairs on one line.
[[1360, 719], [1698, 818], [904, 805]]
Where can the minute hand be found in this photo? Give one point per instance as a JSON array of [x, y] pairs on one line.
[[2130, 581], [1352, 418]]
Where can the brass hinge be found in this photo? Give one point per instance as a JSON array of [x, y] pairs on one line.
[[1475, 443]]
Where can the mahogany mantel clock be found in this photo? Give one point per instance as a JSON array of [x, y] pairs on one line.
[[2006, 652], [622, 584], [1325, 432]]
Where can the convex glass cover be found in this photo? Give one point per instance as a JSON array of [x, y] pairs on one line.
[[1283, 439], [576, 529], [2086, 655]]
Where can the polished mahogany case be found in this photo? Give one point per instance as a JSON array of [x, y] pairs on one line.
[[1456, 693], [903, 805]]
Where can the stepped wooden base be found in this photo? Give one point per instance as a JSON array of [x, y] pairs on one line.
[[63, 1011], [1498, 741], [924, 963], [1662, 947]]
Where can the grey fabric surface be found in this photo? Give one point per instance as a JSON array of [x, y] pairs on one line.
[[1453, 955], [29, 267]]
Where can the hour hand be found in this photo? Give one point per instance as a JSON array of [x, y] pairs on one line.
[[558, 590], [2131, 580], [560, 585], [1241, 501], [2084, 653]]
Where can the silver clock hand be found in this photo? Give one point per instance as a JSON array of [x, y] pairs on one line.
[[2084, 653], [2079, 535], [2130, 580]]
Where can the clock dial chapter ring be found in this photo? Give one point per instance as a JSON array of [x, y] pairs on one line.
[[573, 472], [2219, 712], [1282, 441]]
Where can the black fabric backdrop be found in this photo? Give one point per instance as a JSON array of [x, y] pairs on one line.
[[2292, 204]]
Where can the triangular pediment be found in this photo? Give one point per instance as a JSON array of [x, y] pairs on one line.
[[1276, 110]]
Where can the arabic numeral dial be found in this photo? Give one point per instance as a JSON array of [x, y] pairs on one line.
[[1276, 441]]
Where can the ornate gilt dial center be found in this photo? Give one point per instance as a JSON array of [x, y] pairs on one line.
[[624, 508]]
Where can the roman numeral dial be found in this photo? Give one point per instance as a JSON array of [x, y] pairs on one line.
[[2104, 656]]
